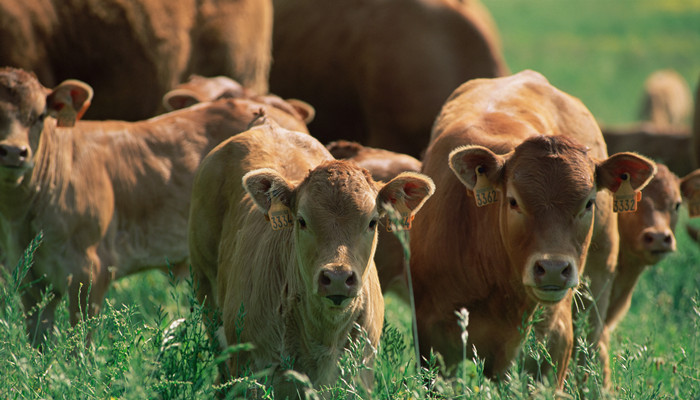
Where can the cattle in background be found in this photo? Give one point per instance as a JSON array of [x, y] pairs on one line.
[[282, 238], [131, 52], [646, 237], [384, 166], [666, 101], [696, 128], [533, 157], [378, 72], [111, 197]]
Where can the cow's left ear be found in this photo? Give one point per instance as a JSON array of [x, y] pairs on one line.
[[469, 161], [611, 173], [68, 101], [305, 110], [406, 193], [690, 186], [266, 186], [178, 99]]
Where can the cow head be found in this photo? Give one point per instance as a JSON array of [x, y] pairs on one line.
[[24, 106], [647, 234], [334, 213], [546, 192]]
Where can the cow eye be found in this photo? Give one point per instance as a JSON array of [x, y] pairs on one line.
[[513, 204], [301, 222], [589, 204], [373, 223], [40, 118], [677, 206]]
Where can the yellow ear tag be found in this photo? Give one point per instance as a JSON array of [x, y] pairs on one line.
[[694, 205], [279, 215], [484, 192], [625, 198], [405, 219]]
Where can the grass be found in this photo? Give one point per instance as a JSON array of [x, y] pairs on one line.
[[149, 341]]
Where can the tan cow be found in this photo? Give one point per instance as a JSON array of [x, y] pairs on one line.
[[289, 251], [111, 197], [133, 51], [384, 165], [378, 71], [646, 237], [520, 169], [666, 101]]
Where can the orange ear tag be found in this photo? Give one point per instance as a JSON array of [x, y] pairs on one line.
[[279, 215], [694, 205], [484, 192], [405, 218], [625, 198]]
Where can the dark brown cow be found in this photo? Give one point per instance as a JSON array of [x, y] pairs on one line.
[[133, 51], [534, 159], [378, 71], [287, 255], [111, 197]]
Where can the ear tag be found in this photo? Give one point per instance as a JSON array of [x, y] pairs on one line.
[[279, 215], [66, 116], [405, 218], [484, 192], [625, 198], [694, 205]]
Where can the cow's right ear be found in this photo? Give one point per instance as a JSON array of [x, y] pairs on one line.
[[178, 99], [638, 169], [68, 102], [306, 111], [266, 186], [466, 161], [690, 185]]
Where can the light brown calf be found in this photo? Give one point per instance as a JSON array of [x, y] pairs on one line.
[[111, 197], [666, 101], [520, 169], [282, 238], [378, 71]]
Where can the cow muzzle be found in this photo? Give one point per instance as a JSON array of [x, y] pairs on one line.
[[14, 162], [656, 244], [551, 278], [338, 285]]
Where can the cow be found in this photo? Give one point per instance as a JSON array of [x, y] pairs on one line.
[[111, 197], [377, 72], [281, 239], [520, 170], [666, 101], [646, 237], [383, 165], [133, 51]]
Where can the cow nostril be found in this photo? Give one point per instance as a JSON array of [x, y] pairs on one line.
[[539, 270], [3, 151], [23, 152], [566, 272], [648, 238], [668, 239], [324, 280], [351, 280]]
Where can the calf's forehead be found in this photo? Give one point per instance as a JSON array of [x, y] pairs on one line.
[[664, 187], [21, 95]]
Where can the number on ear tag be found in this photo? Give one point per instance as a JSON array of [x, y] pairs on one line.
[[694, 205], [405, 220], [625, 198], [484, 191], [279, 215]]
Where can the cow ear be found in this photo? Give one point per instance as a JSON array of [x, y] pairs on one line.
[[690, 185], [68, 102], [305, 110], [406, 193], [611, 172], [178, 99], [465, 160], [266, 186]]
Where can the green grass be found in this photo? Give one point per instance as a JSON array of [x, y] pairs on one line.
[[149, 341]]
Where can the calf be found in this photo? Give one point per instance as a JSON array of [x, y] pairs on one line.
[[666, 101], [520, 169], [287, 256], [111, 197]]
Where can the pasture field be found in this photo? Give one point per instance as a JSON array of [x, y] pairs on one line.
[[149, 341]]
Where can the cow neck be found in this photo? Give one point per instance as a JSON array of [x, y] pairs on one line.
[[629, 270], [52, 169]]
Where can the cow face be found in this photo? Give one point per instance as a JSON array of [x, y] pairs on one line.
[[24, 106], [546, 192], [334, 213], [648, 233]]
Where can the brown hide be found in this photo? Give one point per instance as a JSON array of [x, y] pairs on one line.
[[543, 154], [301, 288], [111, 197], [133, 51], [378, 71], [384, 165]]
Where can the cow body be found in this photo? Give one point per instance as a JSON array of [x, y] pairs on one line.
[[377, 72], [133, 51], [666, 101], [111, 197], [542, 158], [295, 293]]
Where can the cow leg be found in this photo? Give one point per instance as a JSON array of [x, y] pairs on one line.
[[556, 330], [87, 288], [40, 320]]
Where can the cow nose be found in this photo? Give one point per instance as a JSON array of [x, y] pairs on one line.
[[660, 241], [337, 284], [13, 156], [553, 274]]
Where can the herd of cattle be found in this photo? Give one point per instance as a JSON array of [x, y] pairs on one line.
[[517, 199]]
